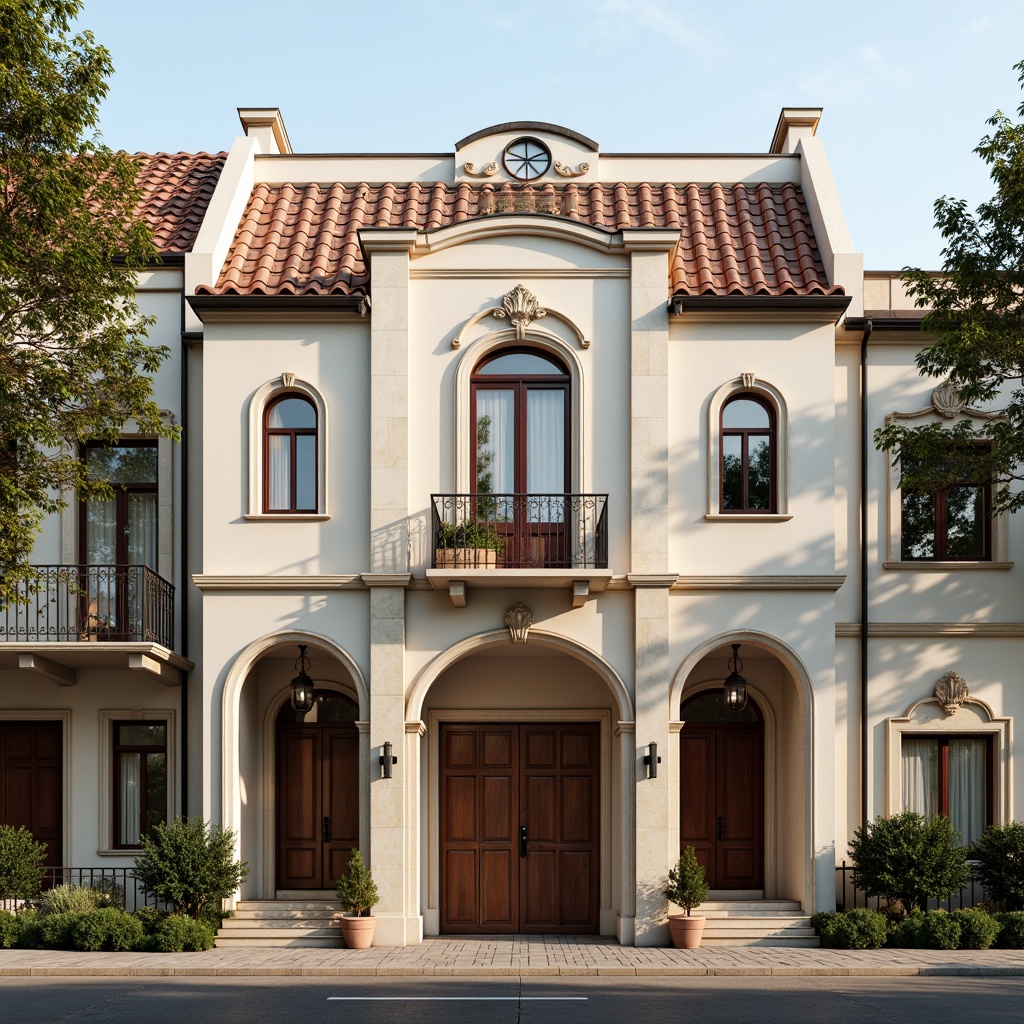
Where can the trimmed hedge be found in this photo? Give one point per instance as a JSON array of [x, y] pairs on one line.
[[181, 934], [1011, 930], [109, 929], [978, 929], [851, 929]]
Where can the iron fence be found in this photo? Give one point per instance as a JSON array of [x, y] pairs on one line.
[[519, 531], [91, 603], [117, 887], [848, 896]]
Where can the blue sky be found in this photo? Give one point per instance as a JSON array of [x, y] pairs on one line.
[[906, 85]]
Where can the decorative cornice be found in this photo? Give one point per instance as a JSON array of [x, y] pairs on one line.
[[386, 579], [651, 579], [933, 629], [759, 582], [208, 582]]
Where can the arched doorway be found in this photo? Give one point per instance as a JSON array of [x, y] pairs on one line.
[[721, 796], [317, 789]]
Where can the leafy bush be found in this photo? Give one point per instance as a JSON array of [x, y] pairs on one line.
[[21, 863], [999, 864], [908, 858], [9, 930], [109, 929], [68, 899], [850, 929], [357, 891], [108, 892], [939, 930], [49, 931], [189, 864], [178, 934], [978, 929], [906, 933], [1011, 930], [150, 918]]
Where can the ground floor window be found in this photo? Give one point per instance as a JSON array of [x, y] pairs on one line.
[[952, 776], [140, 779]]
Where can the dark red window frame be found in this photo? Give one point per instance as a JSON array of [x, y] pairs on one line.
[[745, 433], [292, 433]]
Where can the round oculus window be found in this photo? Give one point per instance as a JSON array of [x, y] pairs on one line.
[[526, 159]]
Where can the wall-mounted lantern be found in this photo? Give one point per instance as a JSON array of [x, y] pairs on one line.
[[387, 760], [651, 760]]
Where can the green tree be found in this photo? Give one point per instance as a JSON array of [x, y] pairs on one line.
[[74, 363], [976, 305]]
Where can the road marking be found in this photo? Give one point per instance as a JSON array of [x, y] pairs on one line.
[[458, 999]]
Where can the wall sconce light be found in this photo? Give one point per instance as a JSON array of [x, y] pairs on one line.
[[387, 759], [735, 696], [302, 685], [651, 760]]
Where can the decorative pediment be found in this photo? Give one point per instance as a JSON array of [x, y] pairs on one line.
[[947, 403], [521, 308]]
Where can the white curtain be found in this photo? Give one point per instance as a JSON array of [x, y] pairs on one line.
[[142, 528], [279, 471], [130, 795], [495, 441], [967, 788], [921, 776], [545, 441]]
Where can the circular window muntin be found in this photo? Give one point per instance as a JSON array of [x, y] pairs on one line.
[[531, 163]]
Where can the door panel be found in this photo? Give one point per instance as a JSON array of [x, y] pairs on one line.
[[317, 804], [543, 777], [721, 807], [32, 782]]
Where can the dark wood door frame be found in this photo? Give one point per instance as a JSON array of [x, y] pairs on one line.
[[519, 827], [33, 780]]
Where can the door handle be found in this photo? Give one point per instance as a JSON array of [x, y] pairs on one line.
[[326, 830], [522, 840], [721, 828]]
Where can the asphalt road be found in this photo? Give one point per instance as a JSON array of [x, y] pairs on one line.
[[512, 1001]]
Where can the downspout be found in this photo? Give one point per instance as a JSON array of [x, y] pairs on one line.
[[868, 327], [184, 560]]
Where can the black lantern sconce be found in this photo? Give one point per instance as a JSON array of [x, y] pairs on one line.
[[735, 686], [651, 760], [302, 685], [387, 760]]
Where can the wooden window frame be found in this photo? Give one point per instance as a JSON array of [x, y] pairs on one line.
[[940, 525], [943, 740], [745, 433], [116, 749], [292, 433]]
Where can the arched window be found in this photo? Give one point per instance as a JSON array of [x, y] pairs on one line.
[[748, 458], [290, 442]]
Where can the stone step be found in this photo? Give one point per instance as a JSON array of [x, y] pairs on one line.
[[286, 905], [276, 938], [250, 923], [284, 915], [749, 907], [778, 941]]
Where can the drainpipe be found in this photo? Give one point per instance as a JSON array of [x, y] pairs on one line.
[[868, 327], [184, 560]]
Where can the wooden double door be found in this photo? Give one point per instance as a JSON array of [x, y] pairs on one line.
[[519, 827], [721, 812], [317, 804], [32, 782]]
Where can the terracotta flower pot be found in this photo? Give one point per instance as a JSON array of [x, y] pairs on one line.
[[356, 931], [686, 931]]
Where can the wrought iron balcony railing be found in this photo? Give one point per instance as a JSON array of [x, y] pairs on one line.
[[91, 603], [519, 531]]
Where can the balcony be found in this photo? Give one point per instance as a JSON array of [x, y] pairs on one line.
[[525, 539], [126, 611]]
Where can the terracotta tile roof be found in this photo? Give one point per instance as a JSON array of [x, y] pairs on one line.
[[734, 240], [177, 188]]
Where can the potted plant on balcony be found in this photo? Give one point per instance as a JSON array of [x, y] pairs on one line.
[[471, 544], [687, 888], [357, 894]]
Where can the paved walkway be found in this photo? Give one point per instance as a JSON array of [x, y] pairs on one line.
[[492, 956]]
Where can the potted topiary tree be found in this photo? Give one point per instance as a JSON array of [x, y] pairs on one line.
[[357, 894], [686, 888]]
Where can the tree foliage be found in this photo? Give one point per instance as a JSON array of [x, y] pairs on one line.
[[998, 858], [74, 362], [21, 863], [976, 305]]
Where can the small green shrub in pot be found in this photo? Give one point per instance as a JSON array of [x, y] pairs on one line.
[[357, 891], [687, 886], [909, 859], [190, 864], [109, 929], [21, 864], [998, 858], [469, 534], [1011, 930], [978, 929]]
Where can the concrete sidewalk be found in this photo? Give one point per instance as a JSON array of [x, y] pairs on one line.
[[499, 956]]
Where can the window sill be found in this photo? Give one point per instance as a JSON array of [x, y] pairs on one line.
[[284, 517], [129, 851], [748, 517], [926, 566]]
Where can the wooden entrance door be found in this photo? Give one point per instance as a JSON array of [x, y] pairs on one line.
[[721, 806], [519, 828], [32, 782], [317, 804]]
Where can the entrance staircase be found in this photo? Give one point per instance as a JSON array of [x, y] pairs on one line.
[[747, 919], [303, 921]]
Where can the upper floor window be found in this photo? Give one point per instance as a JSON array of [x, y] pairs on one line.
[[748, 474], [949, 524], [290, 440]]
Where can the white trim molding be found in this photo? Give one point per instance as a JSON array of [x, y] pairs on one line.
[[748, 383], [287, 383]]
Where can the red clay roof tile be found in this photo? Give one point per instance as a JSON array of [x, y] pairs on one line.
[[734, 239], [176, 191]]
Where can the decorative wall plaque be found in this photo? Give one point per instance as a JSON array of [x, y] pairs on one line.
[[488, 171], [287, 379], [947, 401], [951, 691], [565, 171], [519, 619], [521, 307]]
